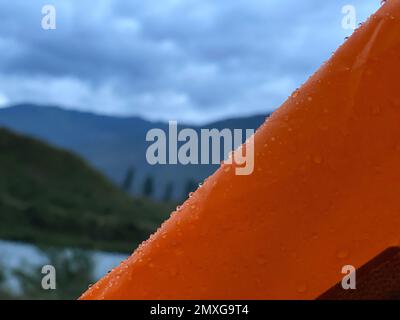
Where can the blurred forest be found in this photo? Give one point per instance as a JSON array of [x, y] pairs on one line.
[[53, 199]]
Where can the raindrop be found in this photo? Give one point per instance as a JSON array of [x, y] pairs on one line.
[[376, 110], [342, 254], [317, 159], [302, 288], [314, 236]]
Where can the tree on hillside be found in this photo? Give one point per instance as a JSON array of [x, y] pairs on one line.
[[168, 192], [148, 186], [190, 186], [128, 180]]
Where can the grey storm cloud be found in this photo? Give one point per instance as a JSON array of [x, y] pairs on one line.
[[173, 59]]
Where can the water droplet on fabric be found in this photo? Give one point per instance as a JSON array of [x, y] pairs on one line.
[[317, 159], [341, 254], [302, 288]]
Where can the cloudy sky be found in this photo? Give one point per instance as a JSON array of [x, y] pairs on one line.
[[187, 60]]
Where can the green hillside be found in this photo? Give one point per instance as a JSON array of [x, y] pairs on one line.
[[51, 197]]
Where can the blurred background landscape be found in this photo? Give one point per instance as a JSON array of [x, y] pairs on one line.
[[76, 103]]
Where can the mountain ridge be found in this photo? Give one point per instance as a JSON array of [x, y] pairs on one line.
[[113, 144]]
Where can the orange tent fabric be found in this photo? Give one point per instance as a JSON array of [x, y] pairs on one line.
[[325, 191]]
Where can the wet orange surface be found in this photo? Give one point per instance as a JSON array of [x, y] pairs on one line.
[[325, 191]]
